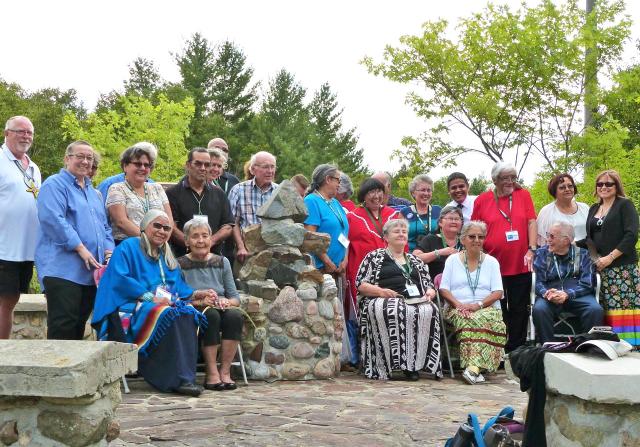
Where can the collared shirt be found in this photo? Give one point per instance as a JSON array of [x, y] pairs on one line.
[[397, 202], [246, 198], [185, 203], [19, 216], [226, 182], [466, 208], [548, 277], [69, 215], [104, 186]]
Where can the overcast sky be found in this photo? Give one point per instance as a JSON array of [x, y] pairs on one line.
[[88, 46]]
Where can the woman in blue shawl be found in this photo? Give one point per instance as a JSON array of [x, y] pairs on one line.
[[143, 299]]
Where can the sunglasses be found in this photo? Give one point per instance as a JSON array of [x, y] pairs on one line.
[[475, 237], [159, 226], [607, 184], [139, 164]]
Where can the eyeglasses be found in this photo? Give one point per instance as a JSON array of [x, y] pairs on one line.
[[267, 167], [552, 237], [159, 226], [607, 184], [508, 178], [565, 187], [201, 164], [21, 132], [452, 219], [475, 237], [139, 164], [334, 178], [424, 190], [82, 157]]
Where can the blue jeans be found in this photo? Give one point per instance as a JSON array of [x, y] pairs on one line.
[[586, 308]]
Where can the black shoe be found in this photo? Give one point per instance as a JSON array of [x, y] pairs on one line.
[[411, 375], [230, 386], [214, 386], [189, 389]]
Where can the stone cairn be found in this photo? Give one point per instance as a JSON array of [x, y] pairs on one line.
[[298, 317]]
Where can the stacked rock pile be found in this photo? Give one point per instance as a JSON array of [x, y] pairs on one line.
[[295, 308]]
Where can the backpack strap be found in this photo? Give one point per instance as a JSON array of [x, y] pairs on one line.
[[507, 412], [477, 431]]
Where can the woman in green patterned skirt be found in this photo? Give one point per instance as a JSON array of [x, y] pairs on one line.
[[472, 286]]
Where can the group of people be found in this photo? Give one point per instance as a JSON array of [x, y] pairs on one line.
[[155, 267]]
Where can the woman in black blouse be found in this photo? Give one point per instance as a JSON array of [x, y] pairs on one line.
[[612, 233]]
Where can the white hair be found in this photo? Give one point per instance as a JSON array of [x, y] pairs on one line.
[[501, 167]]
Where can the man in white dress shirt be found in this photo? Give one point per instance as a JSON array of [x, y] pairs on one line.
[[458, 187]]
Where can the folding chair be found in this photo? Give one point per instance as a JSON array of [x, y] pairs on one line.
[[445, 338], [564, 318], [240, 363]]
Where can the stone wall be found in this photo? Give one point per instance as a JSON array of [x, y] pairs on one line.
[[30, 318], [576, 422], [61, 393], [592, 401], [297, 315]]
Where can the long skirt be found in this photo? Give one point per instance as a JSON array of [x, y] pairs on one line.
[[481, 337], [621, 301], [399, 336], [172, 361]]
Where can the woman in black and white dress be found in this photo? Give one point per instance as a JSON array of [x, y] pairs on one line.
[[394, 334]]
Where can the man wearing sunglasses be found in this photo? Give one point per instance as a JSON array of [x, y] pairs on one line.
[[194, 197], [20, 182]]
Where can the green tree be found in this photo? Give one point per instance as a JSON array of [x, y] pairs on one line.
[[46, 109], [622, 102], [110, 132], [282, 127], [232, 94], [511, 80], [197, 68], [144, 78], [328, 136]]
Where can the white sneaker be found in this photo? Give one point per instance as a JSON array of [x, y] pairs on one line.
[[470, 377], [480, 378]]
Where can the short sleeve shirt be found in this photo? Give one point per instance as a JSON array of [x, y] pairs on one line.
[[329, 217], [510, 255], [135, 205]]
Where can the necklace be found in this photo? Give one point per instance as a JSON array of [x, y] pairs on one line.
[[472, 285], [603, 217]]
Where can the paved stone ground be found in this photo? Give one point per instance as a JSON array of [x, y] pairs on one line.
[[350, 410]]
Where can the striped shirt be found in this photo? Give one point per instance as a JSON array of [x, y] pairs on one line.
[[246, 198]]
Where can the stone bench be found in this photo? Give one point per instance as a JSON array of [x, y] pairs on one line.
[[59, 392], [592, 401], [30, 318]]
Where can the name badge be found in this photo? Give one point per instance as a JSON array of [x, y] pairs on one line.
[[343, 240], [512, 235], [161, 292], [413, 290], [201, 217]]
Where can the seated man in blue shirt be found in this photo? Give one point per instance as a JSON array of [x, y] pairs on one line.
[[564, 282]]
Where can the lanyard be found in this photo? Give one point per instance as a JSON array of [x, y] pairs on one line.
[[427, 226], [404, 268], [164, 280], [444, 242], [28, 180], [376, 222], [329, 204], [473, 286], [508, 217], [145, 202], [198, 201], [555, 262]]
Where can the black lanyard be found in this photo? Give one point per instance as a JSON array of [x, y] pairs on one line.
[[404, 268], [505, 215]]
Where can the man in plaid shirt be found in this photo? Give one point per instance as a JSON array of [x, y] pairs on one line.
[[247, 197]]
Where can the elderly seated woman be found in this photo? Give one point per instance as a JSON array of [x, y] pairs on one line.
[[399, 323], [142, 299], [472, 286], [205, 270]]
